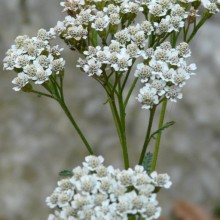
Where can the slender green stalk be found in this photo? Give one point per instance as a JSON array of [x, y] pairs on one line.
[[117, 80], [55, 90], [115, 114], [103, 84], [109, 76], [124, 146], [60, 99], [53, 79], [206, 16], [159, 40], [120, 126], [42, 93], [185, 31], [147, 138], [127, 74], [61, 87], [68, 114], [118, 120], [108, 88], [173, 41], [164, 103], [123, 126], [47, 87], [130, 91], [158, 138]]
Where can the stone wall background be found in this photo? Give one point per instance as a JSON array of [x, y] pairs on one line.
[[37, 140]]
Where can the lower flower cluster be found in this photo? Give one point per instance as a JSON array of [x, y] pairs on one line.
[[98, 192]]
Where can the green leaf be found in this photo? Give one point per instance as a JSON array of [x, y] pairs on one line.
[[27, 88], [147, 161], [166, 125], [66, 173], [94, 37], [108, 100]]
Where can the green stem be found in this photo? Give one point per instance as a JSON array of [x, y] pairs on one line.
[[117, 80], [56, 89], [119, 120], [159, 40], [61, 87], [185, 31], [164, 104], [42, 93], [47, 87], [198, 26], [113, 107], [147, 137], [123, 126], [114, 111], [120, 130], [158, 138], [54, 81], [116, 119], [68, 114], [130, 91], [127, 74]]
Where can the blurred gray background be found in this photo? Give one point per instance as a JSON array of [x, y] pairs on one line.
[[37, 141]]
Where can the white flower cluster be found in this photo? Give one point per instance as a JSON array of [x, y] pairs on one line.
[[33, 59], [211, 5], [96, 192], [129, 44], [164, 70], [84, 15], [72, 29], [164, 74], [110, 16]]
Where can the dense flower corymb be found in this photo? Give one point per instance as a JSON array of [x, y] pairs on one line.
[[98, 192], [164, 74], [34, 59]]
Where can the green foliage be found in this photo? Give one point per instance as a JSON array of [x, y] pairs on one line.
[[66, 173], [147, 161], [166, 125], [27, 88]]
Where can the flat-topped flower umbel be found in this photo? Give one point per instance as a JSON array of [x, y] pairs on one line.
[[98, 192]]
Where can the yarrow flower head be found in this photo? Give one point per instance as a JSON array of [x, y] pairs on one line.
[[98, 192], [89, 19], [162, 69], [34, 59], [164, 74]]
